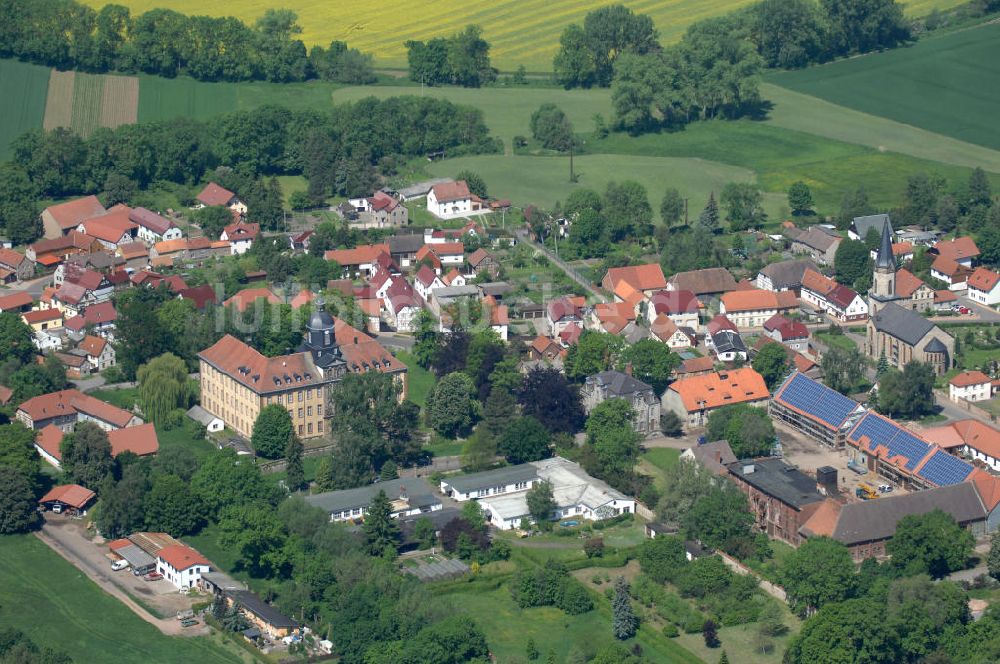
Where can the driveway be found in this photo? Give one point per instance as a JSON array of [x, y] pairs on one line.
[[65, 536]]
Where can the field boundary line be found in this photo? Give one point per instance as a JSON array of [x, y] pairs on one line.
[[59, 100]]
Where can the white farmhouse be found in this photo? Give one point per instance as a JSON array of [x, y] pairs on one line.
[[453, 199], [181, 565]]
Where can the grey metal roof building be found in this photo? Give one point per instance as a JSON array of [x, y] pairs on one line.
[[785, 275], [405, 244], [727, 341], [418, 494], [524, 472], [261, 609], [618, 384], [904, 324], [137, 558], [861, 225], [873, 520]]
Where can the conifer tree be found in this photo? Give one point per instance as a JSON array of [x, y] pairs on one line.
[[624, 622]]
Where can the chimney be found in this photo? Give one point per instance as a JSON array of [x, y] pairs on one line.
[[748, 468], [355, 340], [628, 369], [718, 456]]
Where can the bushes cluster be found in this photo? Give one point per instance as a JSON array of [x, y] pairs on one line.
[[550, 586]]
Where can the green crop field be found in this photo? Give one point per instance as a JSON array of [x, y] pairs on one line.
[[946, 84], [88, 93], [544, 180], [57, 605], [24, 88], [520, 31]]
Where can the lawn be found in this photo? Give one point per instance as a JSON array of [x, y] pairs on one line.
[[782, 156], [836, 340], [544, 180], [419, 381], [805, 113], [123, 398], [656, 461], [508, 627], [24, 87], [922, 85], [56, 605], [739, 642]]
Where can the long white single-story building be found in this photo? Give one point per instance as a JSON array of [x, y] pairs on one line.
[[409, 496], [503, 493]]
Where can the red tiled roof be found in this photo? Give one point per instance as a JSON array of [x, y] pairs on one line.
[[946, 266], [11, 258], [983, 279], [663, 328], [213, 194], [696, 365], [673, 302], [817, 283], [425, 276], [563, 307], [69, 215], [241, 231], [130, 250], [400, 295], [541, 344], [89, 279], [362, 255], [988, 486], [786, 328], [151, 220], [92, 345], [720, 389], [708, 280], [248, 367], [72, 240], [66, 402], [478, 256], [5, 394], [73, 495], [100, 313], [451, 191], [957, 249], [41, 316], [361, 352], [181, 557], [842, 296], [907, 283], [140, 440], [969, 378], [755, 300], [945, 295], [304, 297], [111, 226], [720, 322], [902, 248], [383, 201], [244, 299], [571, 334], [448, 249], [16, 301], [49, 438], [641, 277], [452, 275]]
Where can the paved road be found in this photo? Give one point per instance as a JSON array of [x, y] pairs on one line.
[[67, 542], [523, 236], [390, 340]]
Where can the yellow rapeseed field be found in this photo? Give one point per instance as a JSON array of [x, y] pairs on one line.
[[520, 31]]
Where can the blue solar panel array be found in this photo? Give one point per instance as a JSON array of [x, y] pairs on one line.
[[817, 400], [944, 469], [895, 438]]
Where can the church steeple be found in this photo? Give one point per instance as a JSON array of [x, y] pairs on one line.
[[884, 279], [885, 258]]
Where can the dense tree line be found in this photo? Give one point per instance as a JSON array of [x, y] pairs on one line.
[[784, 33], [337, 150], [461, 59], [70, 35]]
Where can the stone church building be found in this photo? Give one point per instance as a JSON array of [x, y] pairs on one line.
[[896, 330]]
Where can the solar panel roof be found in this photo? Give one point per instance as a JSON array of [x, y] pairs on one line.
[[816, 400], [944, 469], [897, 440]]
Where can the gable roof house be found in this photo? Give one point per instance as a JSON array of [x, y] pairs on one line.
[[66, 407], [791, 333], [49, 253], [680, 306], [562, 311], [448, 200], [18, 302], [363, 259], [100, 318], [833, 299], [59, 220], [866, 527], [72, 496], [646, 278], [694, 397], [403, 306], [99, 353], [962, 250], [912, 292], [617, 385], [752, 308], [409, 496], [819, 243], [483, 261], [815, 409], [984, 287], [15, 266], [248, 298], [214, 195], [860, 226], [240, 236], [426, 280], [667, 331], [112, 228], [951, 272], [181, 565], [728, 346], [784, 275], [404, 248], [705, 283], [380, 210], [712, 456], [544, 349], [972, 439], [153, 228]]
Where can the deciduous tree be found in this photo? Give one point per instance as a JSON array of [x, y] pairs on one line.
[[272, 431], [541, 504], [929, 543], [819, 572], [525, 439], [86, 455]]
